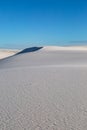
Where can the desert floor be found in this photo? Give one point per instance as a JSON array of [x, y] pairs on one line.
[[44, 90]]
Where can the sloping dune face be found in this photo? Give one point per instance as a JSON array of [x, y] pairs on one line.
[[44, 90], [7, 52]]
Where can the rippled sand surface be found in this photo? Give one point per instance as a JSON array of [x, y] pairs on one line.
[[44, 90]]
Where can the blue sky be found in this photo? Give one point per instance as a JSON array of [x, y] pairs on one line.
[[25, 23]]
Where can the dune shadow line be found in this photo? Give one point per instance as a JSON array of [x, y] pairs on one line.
[[31, 49]]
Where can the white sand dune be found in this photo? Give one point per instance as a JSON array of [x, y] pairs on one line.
[[70, 48], [44, 90], [7, 52]]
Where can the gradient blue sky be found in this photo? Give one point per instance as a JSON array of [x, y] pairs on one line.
[[26, 23]]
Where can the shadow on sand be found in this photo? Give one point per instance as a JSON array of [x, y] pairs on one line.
[[27, 50], [31, 49]]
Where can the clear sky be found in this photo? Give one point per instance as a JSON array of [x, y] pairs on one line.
[[25, 23]]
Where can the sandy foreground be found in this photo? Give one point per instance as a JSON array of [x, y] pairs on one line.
[[44, 90]]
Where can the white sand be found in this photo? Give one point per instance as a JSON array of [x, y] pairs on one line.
[[44, 90], [70, 48], [7, 52]]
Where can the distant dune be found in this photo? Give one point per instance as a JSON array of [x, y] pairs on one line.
[[44, 88], [7, 52], [53, 48]]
